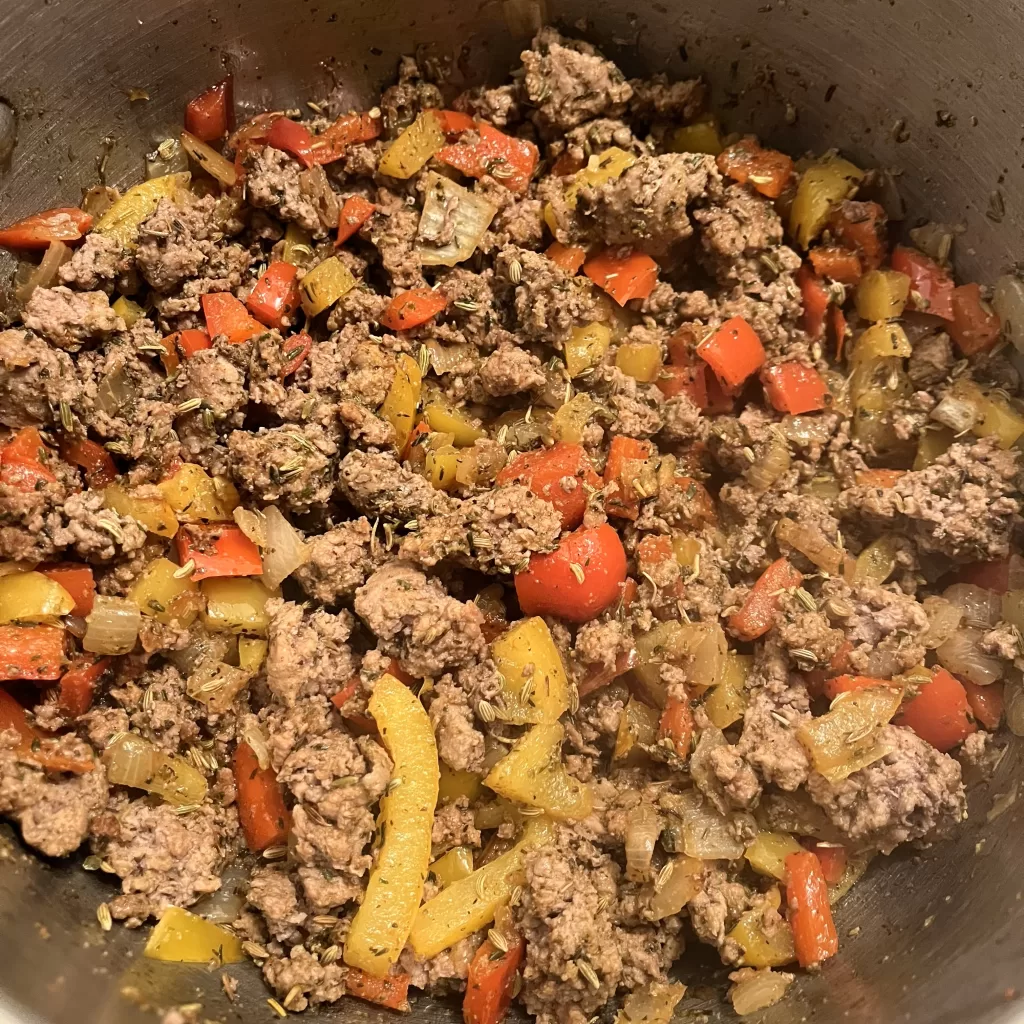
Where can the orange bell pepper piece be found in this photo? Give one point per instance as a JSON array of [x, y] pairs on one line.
[[78, 684], [77, 580], [226, 316], [491, 981], [355, 212], [810, 915], [276, 295], [622, 273], [262, 812], [794, 388], [940, 713], [757, 615], [412, 308], [35, 745], [65, 224], [569, 257], [733, 352], [217, 549]]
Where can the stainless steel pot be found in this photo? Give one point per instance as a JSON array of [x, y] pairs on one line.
[[930, 90]]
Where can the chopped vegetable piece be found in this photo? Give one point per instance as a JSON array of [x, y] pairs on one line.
[[455, 784], [767, 170], [130, 312], [534, 685], [184, 938], [835, 685], [685, 380], [196, 497], [446, 420], [123, 220], [543, 472], [861, 226], [170, 599], [399, 407], [218, 550], [676, 724], [837, 263], [940, 713], [23, 461], [509, 160], [275, 299], [763, 948], [727, 701], [391, 991], [638, 728], [768, 851], [569, 257], [491, 982], [571, 419], [188, 342], [882, 294], [640, 360], [262, 812], [757, 615], [35, 746], [625, 462], [822, 187], [832, 860], [622, 273], [65, 224], [31, 652], [78, 684], [414, 147], [879, 477], [579, 580], [331, 143], [454, 122], [227, 317], [795, 388], [134, 761], [32, 597], [324, 285], [455, 864], [210, 160], [392, 899], [208, 116], [453, 223], [975, 326], [733, 352], [931, 287], [94, 459], [986, 702], [700, 137], [235, 605], [77, 580], [652, 1003], [152, 512], [810, 914], [816, 299], [292, 137], [992, 575], [412, 308], [297, 349], [354, 213]]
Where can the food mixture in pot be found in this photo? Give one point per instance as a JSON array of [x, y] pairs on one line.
[[483, 543]]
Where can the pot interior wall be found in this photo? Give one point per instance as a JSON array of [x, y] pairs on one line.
[[930, 91]]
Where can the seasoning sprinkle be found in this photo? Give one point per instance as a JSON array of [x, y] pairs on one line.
[[497, 940], [748, 454], [805, 599], [104, 917], [515, 271], [574, 699], [112, 528], [527, 691], [208, 420], [423, 358], [330, 954], [516, 897], [277, 1008], [326, 920], [466, 305], [803, 654], [517, 984], [67, 421], [186, 570], [294, 995], [664, 875], [781, 719]]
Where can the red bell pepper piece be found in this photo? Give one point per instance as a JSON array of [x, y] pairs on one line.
[[832, 860], [794, 388], [986, 702], [652, 550], [78, 684], [454, 122], [509, 160], [275, 298], [847, 684], [35, 745], [622, 273], [733, 352], [624, 503], [861, 226], [192, 341], [331, 143], [542, 473], [262, 812], [691, 381], [412, 308], [355, 212], [939, 713], [491, 982], [883, 478], [65, 224], [994, 575], [816, 299], [292, 137], [767, 170], [757, 614], [840, 662], [974, 325], [296, 351], [251, 136], [93, 458], [927, 279], [391, 991], [22, 461], [569, 257], [676, 724], [208, 116], [77, 580], [217, 550], [810, 914], [579, 580], [226, 316], [35, 653], [836, 262]]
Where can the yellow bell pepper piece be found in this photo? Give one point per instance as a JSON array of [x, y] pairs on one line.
[[252, 652], [455, 784], [123, 220], [392, 899], [324, 285], [932, 443], [687, 551], [571, 418], [639, 360], [451, 421], [442, 466], [298, 246], [130, 312], [412, 149], [470, 904], [530, 665], [638, 727], [184, 938], [216, 684], [164, 597], [32, 597], [532, 773], [759, 948], [882, 294], [995, 416], [601, 168], [236, 605], [822, 186], [700, 137], [881, 341], [586, 347], [196, 497], [454, 865], [399, 407], [154, 513], [727, 701], [768, 852], [876, 563]]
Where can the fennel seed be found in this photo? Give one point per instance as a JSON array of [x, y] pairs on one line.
[[805, 599], [277, 1008], [577, 571], [293, 996], [423, 358], [804, 654], [748, 454], [275, 853], [466, 305], [485, 711], [664, 875], [67, 421], [588, 973], [515, 271], [574, 699], [330, 954], [104, 917], [186, 570], [497, 940], [255, 950], [189, 405], [112, 528]]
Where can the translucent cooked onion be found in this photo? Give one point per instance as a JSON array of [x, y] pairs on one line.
[[706, 833], [1013, 608], [453, 223], [758, 989], [1008, 302], [216, 685], [643, 826], [284, 550], [210, 160], [167, 158], [935, 240], [674, 889], [961, 656], [202, 645], [980, 607], [115, 391], [253, 735], [224, 905], [252, 524], [100, 198], [806, 430], [1014, 698], [651, 1004], [956, 413], [451, 358], [44, 275], [944, 619], [811, 543], [133, 761], [112, 627], [773, 461]]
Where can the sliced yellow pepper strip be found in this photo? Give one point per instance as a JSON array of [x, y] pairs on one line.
[[469, 904], [123, 220], [399, 407], [383, 922], [32, 597], [529, 648], [412, 149], [184, 938]]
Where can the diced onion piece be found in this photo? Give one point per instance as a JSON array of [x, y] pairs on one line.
[[651, 1004], [643, 826], [811, 543], [253, 735], [210, 160], [638, 728], [1013, 608], [806, 430], [216, 685], [876, 563], [224, 905], [252, 524], [846, 739], [114, 391], [32, 597], [935, 240], [727, 701], [1008, 302], [453, 223], [112, 627], [980, 607], [133, 761], [961, 656], [414, 147], [252, 652], [699, 647], [822, 186], [167, 158], [1014, 698], [184, 938], [451, 358], [673, 891], [774, 460], [322, 286], [284, 550], [955, 412], [757, 990], [943, 621], [42, 276], [202, 645], [706, 833]]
